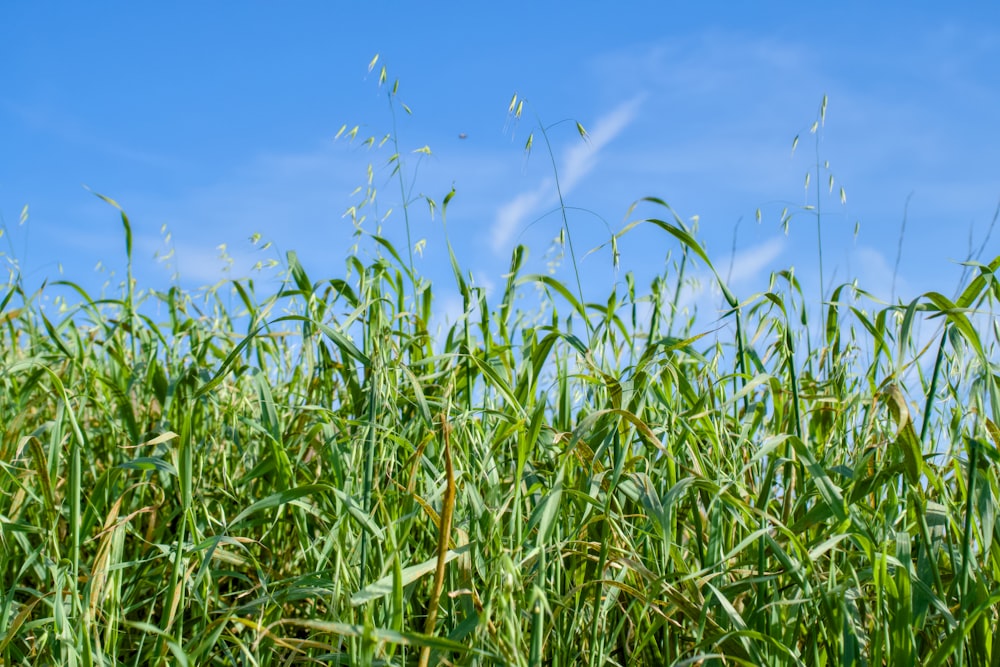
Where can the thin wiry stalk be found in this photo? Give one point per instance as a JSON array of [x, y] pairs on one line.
[[565, 219]]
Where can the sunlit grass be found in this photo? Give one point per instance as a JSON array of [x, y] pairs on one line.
[[329, 475], [179, 489]]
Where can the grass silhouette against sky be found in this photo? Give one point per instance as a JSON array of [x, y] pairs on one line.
[[219, 124]]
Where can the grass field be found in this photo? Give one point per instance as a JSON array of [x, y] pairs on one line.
[[328, 475]]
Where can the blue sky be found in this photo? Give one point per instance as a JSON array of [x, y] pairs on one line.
[[218, 123]]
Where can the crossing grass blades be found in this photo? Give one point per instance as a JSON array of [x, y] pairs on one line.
[[328, 475]]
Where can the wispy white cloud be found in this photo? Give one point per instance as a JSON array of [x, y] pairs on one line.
[[512, 214], [577, 163], [581, 158], [748, 264]]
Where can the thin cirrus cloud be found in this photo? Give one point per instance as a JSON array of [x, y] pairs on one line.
[[747, 265], [577, 163]]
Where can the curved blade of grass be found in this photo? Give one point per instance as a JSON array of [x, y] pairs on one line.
[[382, 635], [290, 495], [384, 586]]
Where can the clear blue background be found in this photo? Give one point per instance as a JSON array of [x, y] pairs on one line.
[[216, 121]]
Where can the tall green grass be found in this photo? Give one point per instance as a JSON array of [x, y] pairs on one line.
[[328, 475]]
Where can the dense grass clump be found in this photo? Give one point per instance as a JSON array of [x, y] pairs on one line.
[[316, 486], [327, 475]]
